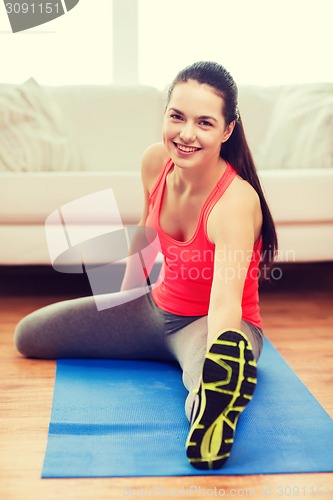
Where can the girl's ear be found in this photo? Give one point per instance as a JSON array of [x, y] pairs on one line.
[[228, 131]]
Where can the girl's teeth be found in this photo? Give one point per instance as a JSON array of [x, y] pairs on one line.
[[186, 149]]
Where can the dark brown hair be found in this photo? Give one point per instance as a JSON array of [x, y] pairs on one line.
[[235, 150]]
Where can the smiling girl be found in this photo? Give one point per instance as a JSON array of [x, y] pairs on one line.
[[204, 200]]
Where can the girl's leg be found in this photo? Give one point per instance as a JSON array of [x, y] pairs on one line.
[[224, 379], [189, 346], [130, 328]]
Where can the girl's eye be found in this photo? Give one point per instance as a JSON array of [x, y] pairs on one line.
[[205, 123], [176, 117]]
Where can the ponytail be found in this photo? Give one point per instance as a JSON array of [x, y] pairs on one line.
[[237, 152]]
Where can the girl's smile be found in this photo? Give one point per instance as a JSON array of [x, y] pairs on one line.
[[184, 150]]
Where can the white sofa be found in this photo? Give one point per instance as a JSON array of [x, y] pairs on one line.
[[100, 132]]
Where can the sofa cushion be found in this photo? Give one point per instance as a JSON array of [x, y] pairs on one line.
[[300, 131], [112, 125], [30, 198], [293, 195], [32, 132], [256, 106], [299, 195], [26, 244]]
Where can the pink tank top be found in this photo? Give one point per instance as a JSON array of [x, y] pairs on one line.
[[188, 266]]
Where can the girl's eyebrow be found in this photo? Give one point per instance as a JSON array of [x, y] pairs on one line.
[[207, 117], [176, 111], [204, 117]]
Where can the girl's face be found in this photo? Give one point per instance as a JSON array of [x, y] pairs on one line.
[[194, 127]]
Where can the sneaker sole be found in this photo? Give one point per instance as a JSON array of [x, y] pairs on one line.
[[228, 382]]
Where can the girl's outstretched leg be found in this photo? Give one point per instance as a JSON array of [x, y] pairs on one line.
[[227, 384], [220, 384]]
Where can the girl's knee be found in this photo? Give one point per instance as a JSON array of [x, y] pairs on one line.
[[25, 335], [255, 337]]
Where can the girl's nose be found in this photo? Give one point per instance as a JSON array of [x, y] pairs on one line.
[[187, 135]]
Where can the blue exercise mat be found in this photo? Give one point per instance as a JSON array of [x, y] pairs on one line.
[[126, 418]]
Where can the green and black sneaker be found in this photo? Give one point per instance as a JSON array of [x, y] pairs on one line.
[[228, 382]]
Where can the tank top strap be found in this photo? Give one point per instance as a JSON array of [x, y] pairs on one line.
[[161, 178], [222, 185]]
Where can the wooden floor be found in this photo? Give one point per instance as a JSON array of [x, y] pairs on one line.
[[298, 318]]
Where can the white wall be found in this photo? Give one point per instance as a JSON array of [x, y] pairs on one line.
[[259, 41]]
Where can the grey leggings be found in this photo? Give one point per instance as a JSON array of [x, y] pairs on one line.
[[134, 329]]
